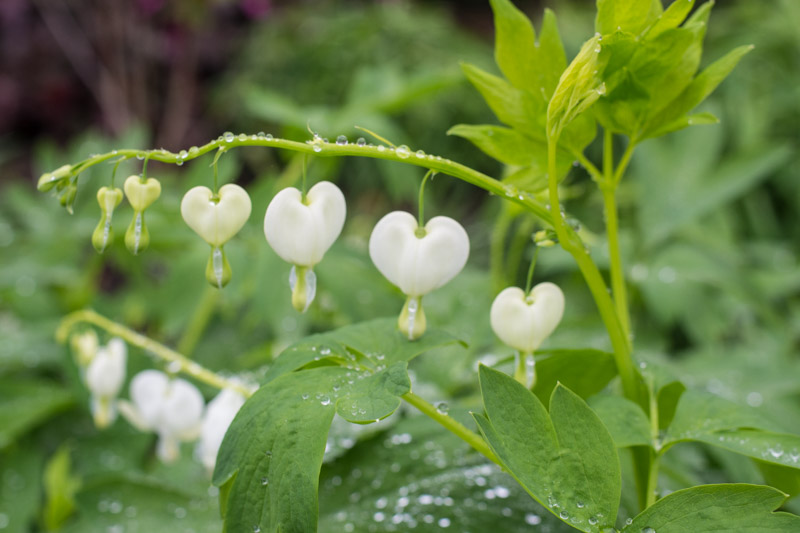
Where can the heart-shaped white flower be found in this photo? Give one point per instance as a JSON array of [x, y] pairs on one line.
[[141, 195], [300, 231], [417, 265], [216, 220], [173, 408], [524, 321], [417, 260]]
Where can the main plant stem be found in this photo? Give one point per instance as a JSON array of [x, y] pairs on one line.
[[183, 364], [570, 241]]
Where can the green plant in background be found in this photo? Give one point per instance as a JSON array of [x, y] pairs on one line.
[[577, 445]]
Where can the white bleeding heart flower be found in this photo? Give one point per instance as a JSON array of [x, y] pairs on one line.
[[140, 194], [103, 234], [301, 230], [524, 321], [105, 375], [172, 408], [417, 260], [216, 219], [220, 412]]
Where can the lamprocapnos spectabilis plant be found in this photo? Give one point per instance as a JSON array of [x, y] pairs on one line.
[[563, 442]]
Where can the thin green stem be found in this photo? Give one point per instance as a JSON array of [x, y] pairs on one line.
[[623, 163], [421, 208], [497, 247], [530, 270], [456, 427], [304, 189], [203, 312], [168, 355], [652, 472], [593, 171]]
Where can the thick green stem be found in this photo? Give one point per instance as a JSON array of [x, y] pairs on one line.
[[183, 364], [605, 305], [456, 427]]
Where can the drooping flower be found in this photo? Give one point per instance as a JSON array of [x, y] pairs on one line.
[[301, 229], [417, 260], [216, 218], [103, 234], [140, 194], [219, 415], [524, 321], [172, 408], [105, 375]]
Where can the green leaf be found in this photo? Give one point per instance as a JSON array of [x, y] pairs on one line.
[[670, 18], [419, 477], [697, 119], [25, 403], [269, 461], [515, 44], [374, 343], [375, 397], [578, 88], [630, 16], [504, 144], [552, 59], [734, 508], [668, 397], [776, 448], [624, 419], [785, 479], [697, 91], [142, 504], [565, 460], [700, 414], [60, 486], [584, 372], [519, 109], [270, 474]]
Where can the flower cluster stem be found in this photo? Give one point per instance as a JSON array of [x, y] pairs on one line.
[[168, 355]]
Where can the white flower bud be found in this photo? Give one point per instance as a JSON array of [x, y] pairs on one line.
[[104, 378], [418, 260], [84, 346], [301, 231], [172, 408], [216, 220], [524, 321], [219, 415], [141, 194]]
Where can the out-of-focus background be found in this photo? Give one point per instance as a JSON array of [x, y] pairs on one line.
[[710, 222]]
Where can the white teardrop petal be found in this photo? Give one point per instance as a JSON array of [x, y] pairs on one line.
[[301, 233], [147, 392], [524, 322]]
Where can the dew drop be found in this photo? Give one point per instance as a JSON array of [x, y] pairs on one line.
[[317, 148], [564, 515], [592, 521], [648, 530], [402, 151], [325, 350], [261, 134], [442, 408], [193, 150], [325, 400], [533, 519], [361, 141], [264, 481], [183, 154], [341, 140], [381, 148], [242, 137], [269, 136], [420, 154], [228, 136]]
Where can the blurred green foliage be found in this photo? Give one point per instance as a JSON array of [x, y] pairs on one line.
[[710, 233]]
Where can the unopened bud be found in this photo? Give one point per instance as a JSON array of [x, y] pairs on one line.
[[49, 180], [545, 238], [68, 197], [103, 234]]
